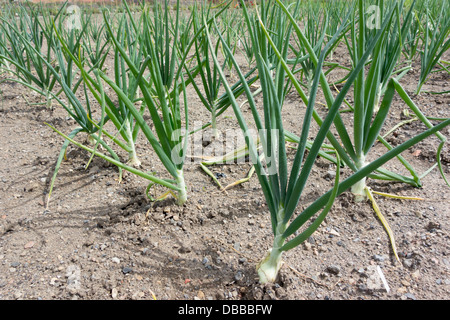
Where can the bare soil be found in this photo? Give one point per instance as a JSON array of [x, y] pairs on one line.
[[100, 239]]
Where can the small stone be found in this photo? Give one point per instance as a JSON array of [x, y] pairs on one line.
[[201, 295], [53, 281], [379, 258], [127, 270], [375, 279], [416, 274], [334, 269], [115, 260], [433, 226], [408, 263], [114, 293], [402, 290], [94, 169], [220, 295], [238, 276], [330, 175], [334, 233], [405, 283], [410, 296], [29, 244]]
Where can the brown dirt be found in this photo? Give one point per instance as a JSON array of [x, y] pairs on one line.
[[103, 240]]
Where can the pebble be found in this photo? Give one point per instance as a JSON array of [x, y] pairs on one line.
[[220, 295], [334, 269], [114, 293], [238, 276], [405, 283], [127, 270], [330, 175], [379, 258], [115, 260], [94, 169], [29, 244], [402, 290], [410, 296], [333, 232], [375, 279], [408, 263]]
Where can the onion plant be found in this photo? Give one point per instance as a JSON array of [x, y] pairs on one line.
[[211, 94], [186, 29], [246, 45], [78, 111], [385, 64], [412, 37], [161, 89], [367, 120], [30, 70], [367, 124], [229, 20], [283, 189], [120, 115], [96, 44], [315, 25], [436, 41], [168, 143], [4, 64], [365, 104]]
